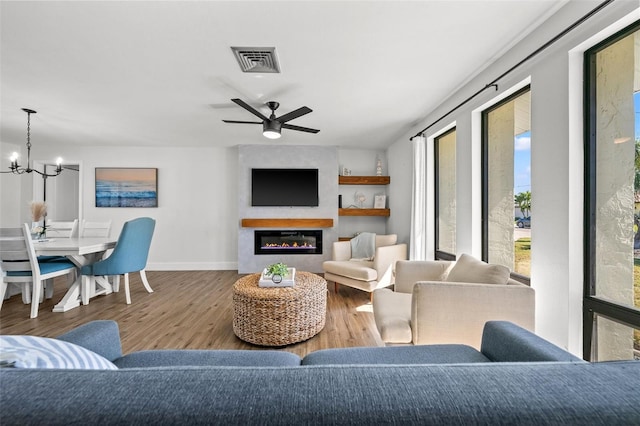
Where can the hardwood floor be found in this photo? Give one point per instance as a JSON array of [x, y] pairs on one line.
[[188, 310]]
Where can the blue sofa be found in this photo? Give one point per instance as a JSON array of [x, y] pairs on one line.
[[516, 378]]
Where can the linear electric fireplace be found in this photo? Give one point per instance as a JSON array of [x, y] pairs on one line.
[[288, 242]]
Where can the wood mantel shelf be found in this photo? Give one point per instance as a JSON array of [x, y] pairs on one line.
[[364, 180], [287, 223], [364, 212]]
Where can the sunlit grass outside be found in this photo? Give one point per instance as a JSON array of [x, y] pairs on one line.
[[522, 258], [636, 300]]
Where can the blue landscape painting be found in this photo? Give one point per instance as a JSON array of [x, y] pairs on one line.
[[120, 187]]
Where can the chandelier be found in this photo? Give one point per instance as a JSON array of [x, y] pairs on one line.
[[17, 168]]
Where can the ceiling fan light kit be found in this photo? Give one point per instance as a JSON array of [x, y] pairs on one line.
[[272, 126], [271, 129]]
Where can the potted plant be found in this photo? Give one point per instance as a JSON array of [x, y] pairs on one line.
[[277, 271]]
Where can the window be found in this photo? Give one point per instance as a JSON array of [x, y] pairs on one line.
[[445, 196], [612, 201], [506, 184]]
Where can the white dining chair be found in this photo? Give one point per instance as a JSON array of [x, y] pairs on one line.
[[20, 265], [95, 229], [62, 229], [57, 229]]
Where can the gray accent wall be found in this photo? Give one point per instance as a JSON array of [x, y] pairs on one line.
[[325, 159]]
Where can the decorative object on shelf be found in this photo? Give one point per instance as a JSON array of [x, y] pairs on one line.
[[17, 168], [354, 210], [346, 172], [277, 275], [359, 198], [379, 201], [378, 166], [126, 187]]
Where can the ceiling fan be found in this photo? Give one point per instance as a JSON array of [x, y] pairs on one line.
[[272, 125]]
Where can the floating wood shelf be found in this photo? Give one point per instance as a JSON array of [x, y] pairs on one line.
[[287, 223], [364, 212], [364, 180]]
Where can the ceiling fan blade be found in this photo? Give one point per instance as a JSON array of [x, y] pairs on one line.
[[249, 108], [294, 114], [242, 122], [300, 129]]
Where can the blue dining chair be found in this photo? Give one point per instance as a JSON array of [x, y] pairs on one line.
[[129, 255]]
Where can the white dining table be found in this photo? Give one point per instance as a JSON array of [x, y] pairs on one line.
[[81, 251]]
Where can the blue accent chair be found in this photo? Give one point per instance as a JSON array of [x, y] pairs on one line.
[[129, 255]]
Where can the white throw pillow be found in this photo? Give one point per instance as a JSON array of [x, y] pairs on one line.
[[468, 269], [42, 352]]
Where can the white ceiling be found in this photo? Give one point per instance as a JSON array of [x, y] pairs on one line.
[[157, 73]]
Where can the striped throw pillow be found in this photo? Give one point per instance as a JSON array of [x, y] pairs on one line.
[[42, 352]]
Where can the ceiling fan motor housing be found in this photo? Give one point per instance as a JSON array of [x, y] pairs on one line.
[[271, 125]]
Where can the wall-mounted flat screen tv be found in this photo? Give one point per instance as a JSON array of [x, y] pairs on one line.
[[284, 187]]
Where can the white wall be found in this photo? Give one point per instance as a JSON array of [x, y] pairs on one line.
[[63, 195], [13, 203], [327, 160], [197, 218], [363, 162], [556, 150], [273, 156], [400, 157], [196, 226]]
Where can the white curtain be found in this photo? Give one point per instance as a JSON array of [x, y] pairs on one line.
[[418, 243]]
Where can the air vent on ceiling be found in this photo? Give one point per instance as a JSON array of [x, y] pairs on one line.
[[257, 59]]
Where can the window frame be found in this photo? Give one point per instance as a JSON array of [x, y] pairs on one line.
[[484, 170], [439, 254], [593, 306]]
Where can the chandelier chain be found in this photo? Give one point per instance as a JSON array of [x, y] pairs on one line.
[[28, 130]]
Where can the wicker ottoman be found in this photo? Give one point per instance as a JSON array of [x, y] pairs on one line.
[[279, 316]]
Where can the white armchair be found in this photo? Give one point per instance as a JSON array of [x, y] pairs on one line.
[[437, 302], [366, 275]]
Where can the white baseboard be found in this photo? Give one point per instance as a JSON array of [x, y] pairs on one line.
[[192, 266]]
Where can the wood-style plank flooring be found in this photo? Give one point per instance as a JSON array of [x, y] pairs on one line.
[[188, 310]]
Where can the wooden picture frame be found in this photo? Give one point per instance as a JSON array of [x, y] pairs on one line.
[[126, 187]]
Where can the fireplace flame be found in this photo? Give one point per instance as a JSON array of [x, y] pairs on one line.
[[294, 245]]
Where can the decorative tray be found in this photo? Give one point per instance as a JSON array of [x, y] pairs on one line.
[[287, 281]]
